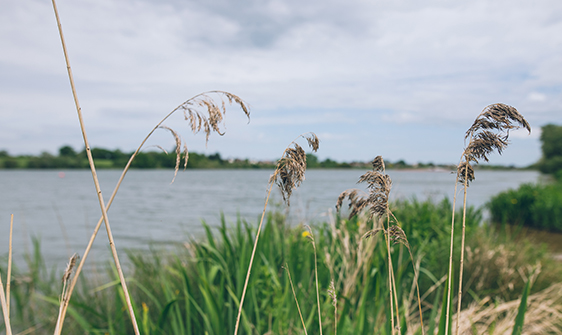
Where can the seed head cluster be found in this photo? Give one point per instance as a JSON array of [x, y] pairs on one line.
[[489, 133], [378, 184], [290, 170]]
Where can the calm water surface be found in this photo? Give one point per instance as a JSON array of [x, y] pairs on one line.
[[61, 208]]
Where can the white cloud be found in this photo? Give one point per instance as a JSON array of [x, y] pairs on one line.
[[330, 62]]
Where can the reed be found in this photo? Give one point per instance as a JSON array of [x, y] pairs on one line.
[[379, 185], [488, 133], [197, 120], [288, 175]]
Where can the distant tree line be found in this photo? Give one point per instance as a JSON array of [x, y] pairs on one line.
[[68, 158]]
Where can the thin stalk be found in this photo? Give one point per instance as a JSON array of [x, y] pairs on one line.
[[5, 308], [317, 289], [451, 258], [389, 272], [416, 277], [58, 328], [295, 296], [9, 275], [459, 298], [252, 259], [395, 296]]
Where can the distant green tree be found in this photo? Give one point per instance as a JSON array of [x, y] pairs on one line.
[[4, 153], [551, 161], [67, 151], [312, 161]]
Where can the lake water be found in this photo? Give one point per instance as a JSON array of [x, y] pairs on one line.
[[61, 207]]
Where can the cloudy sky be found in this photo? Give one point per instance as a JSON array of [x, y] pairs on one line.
[[401, 79]]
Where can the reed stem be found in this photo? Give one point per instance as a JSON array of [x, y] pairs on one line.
[[451, 258], [5, 308], [9, 275], [459, 297], [252, 259], [58, 328]]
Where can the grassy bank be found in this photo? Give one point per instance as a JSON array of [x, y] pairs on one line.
[[196, 290]]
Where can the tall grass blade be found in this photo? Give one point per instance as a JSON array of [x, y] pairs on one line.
[[520, 318]]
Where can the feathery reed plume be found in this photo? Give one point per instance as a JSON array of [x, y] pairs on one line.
[[288, 174], [357, 202], [333, 296], [286, 267], [488, 133]]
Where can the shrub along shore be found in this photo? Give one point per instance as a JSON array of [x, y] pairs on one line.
[[196, 290]]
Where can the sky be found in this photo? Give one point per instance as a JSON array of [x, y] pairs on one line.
[[401, 79]]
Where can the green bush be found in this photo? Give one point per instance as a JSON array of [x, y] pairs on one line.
[[533, 205]]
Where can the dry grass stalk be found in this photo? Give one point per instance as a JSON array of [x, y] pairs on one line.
[[9, 274], [286, 267], [488, 133], [333, 296], [543, 314], [288, 174], [58, 328], [310, 237], [5, 297], [354, 260], [5, 308]]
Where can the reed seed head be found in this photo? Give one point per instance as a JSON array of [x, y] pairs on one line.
[[69, 268], [379, 185], [489, 133], [203, 113], [290, 170], [332, 293]]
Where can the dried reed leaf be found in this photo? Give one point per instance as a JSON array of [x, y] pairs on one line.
[[186, 156], [372, 233], [178, 140]]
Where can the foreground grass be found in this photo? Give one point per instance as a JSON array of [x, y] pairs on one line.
[[195, 290]]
